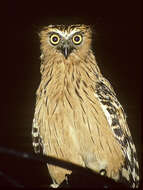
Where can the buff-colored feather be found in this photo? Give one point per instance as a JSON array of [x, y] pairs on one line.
[[72, 118]]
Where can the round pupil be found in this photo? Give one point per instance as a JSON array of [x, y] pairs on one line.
[[55, 39], [77, 38]]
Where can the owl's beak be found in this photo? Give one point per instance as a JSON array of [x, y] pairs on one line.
[[66, 50]]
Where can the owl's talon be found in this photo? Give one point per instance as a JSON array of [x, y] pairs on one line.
[[103, 172], [54, 185], [66, 179]]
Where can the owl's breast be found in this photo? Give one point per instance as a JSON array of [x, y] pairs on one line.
[[79, 124]]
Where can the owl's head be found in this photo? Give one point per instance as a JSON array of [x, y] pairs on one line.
[[66, 40]]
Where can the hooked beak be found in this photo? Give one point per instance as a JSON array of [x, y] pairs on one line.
[[66, 50]]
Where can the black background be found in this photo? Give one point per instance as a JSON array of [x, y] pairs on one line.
[[117, 50]]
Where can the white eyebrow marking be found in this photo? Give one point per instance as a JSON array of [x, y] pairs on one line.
[[65, 34]]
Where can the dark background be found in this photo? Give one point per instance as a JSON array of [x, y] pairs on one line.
[[117, 50]]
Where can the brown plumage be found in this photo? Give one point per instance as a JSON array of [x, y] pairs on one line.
[[77, 115]]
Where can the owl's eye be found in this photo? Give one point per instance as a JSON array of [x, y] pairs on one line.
[[54, 39], [77, 39]]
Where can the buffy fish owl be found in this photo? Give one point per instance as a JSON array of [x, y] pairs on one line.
[[77, 115]]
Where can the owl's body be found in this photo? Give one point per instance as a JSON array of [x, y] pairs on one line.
[[77, 116]]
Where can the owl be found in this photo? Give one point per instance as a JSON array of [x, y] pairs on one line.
[[77, 115]]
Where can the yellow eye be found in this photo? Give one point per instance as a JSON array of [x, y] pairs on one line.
[[54, 39], [77, 39]]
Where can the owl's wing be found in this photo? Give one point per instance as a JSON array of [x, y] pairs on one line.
[[117, 121], [36, 138]]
